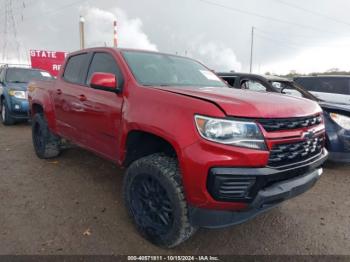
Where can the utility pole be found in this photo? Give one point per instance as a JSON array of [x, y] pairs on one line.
[[82, 32], [115, 34], [252, 51]]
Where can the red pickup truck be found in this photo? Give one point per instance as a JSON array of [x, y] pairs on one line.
[[197, 153]]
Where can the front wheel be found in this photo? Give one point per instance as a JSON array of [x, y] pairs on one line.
[[154, 197], [46, 144], [6, 119]]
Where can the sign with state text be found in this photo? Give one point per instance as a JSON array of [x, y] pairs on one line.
[[50, 61]]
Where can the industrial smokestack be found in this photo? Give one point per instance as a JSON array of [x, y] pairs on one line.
[[115, 35], [82, 32]]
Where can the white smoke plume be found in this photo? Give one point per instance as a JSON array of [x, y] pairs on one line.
[[99, 29], [215, 55]]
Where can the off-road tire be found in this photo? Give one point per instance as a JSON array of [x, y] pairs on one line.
[[46, 144], [6, 119], [165, 171]]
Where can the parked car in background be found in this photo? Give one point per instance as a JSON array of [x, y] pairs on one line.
[[13, 92], [336, 116], [334, 89], [196, 153]]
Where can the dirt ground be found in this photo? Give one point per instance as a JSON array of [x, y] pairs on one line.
[[73, 205]]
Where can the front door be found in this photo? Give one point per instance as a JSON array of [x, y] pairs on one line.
[[100, 121]]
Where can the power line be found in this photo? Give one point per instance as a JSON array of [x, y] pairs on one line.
[[291, 34], [299, 44], [57, 10], [313, 12], [278, 41], [241, 11]]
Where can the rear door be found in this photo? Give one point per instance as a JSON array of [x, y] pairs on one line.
[[68, 107], [100, 122]]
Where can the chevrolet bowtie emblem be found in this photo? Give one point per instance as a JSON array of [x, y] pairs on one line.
[[308, 135]]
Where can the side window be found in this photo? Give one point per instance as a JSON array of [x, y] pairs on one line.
[[334, 86], [230, 80], [73, 70], [104, 63], [253, 85], [310, 84], [1, 74]]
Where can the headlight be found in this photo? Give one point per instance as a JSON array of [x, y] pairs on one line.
[[341, 120], [18, 94], [230, 132]]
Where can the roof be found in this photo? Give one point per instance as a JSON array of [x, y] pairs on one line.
[[276, 78], [321, 76], [103, 48], [266, 77]]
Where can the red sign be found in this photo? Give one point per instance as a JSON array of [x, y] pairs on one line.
[[50, 61]]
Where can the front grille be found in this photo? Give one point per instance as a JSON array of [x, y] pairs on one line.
[[271, 125], [286, 154], [230, 187]]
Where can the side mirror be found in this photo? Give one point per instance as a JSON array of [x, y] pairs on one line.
[[104, 81]]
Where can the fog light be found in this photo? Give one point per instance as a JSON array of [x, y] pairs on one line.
[[17, 107]]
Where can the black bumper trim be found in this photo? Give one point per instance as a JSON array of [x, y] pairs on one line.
[[265, 200], [264, 177]]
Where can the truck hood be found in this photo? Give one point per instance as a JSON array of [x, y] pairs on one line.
[[250, 104], [17, 86]]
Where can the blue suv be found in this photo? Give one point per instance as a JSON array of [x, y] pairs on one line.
[[13, 92]]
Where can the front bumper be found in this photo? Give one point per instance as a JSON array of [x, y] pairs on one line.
[[338, 141], [266, 199], [278, 186], [19, 109]]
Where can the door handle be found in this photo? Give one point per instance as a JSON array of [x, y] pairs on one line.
[[82, 98], [59, 92]]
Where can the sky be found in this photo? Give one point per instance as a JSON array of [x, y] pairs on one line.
[[305, 36]]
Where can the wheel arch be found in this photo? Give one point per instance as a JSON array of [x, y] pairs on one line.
[[39, 107], [141, 143]]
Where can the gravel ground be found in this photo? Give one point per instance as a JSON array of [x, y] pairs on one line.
[[73, 205]]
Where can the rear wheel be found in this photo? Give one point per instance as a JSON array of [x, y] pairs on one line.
[[6, 119], [46, 144], [155, 199]]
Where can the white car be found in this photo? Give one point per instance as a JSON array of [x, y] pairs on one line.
[[335, 89]]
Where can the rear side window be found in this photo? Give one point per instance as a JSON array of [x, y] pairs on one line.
[[73, 70], [333, 85], [104, 63], [2, 73], [310, 84]]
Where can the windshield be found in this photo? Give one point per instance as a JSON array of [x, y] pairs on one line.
[[23, 75], [153, 69]]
